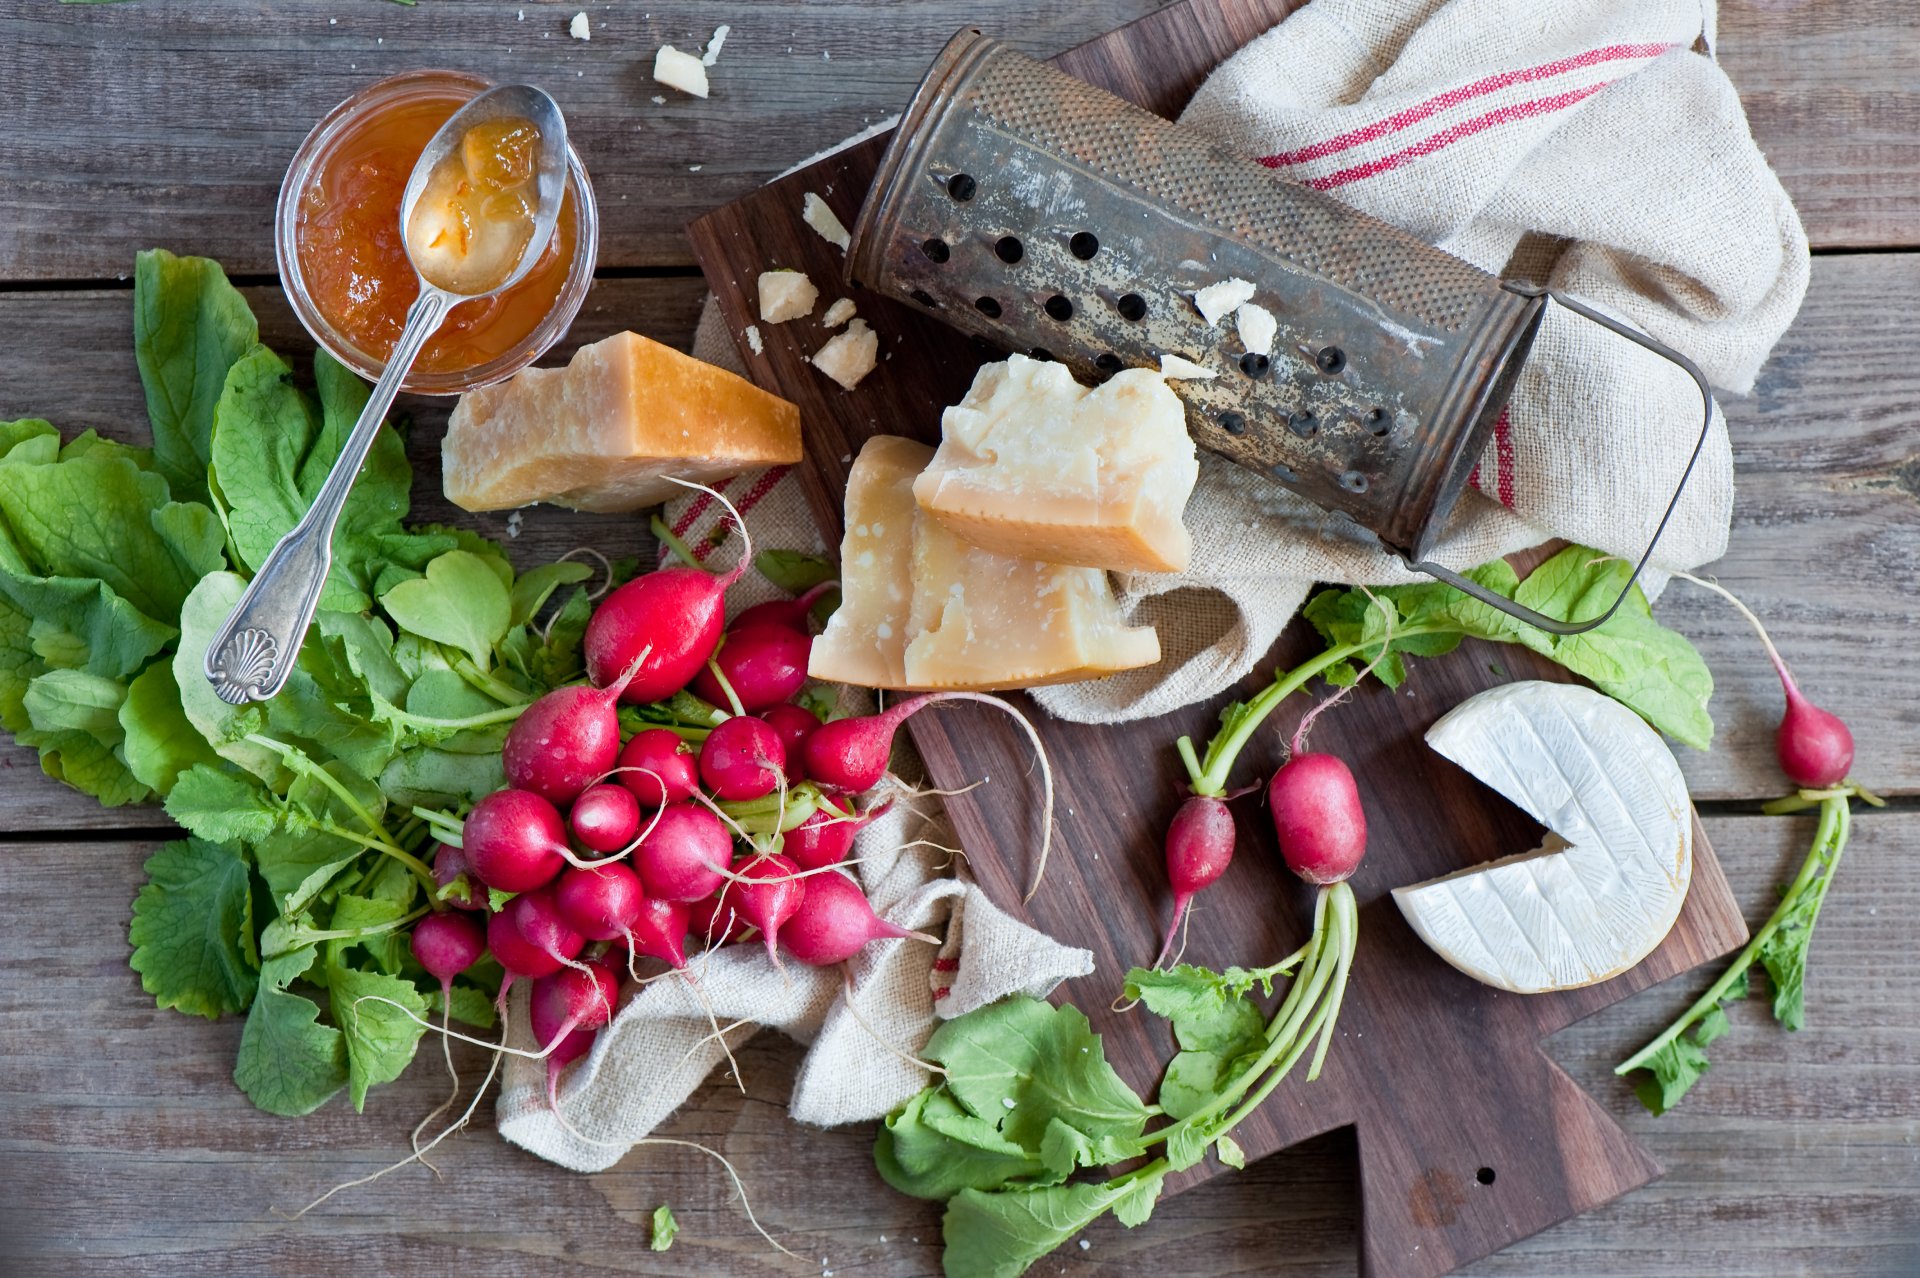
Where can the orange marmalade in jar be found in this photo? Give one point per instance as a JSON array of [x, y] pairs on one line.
[[343, 255]]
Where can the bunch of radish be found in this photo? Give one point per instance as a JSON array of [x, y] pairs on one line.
[[607, 848]]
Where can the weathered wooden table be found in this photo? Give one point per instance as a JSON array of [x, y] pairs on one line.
[[124, 1146]]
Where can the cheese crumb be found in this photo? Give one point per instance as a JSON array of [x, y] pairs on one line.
[[785, 295], [680, 71], [578, 28], [754, 343], [1179, 366], [712, 55], [1216, 300], [1257, 328], [839, 313], [847, 357], [821, 218], [659, 99]]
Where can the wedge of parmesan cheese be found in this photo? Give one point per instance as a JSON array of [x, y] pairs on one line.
[[1034, 465], [600, 433], [786, 294], [922, 610], [681, 71], [1605, 888]]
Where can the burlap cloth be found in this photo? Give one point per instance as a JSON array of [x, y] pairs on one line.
[[1598, 149]]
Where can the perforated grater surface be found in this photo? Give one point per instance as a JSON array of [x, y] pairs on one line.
[[1045, 215]]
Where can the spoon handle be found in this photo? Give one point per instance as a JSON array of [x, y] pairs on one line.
[[252, 655]]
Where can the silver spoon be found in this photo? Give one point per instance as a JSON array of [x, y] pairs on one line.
[[252, 655]]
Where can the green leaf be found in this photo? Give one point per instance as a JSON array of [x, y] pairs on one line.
[[75, 701], [189, 327], [1228, 1151], [1207, 1010], [1021, 1064], [367, 646], [26, 431], [1135, 1205], [1064, 1148], [460, 602], [470, 1006], [1675, 1068], [272, 449], [1193, 1079], [222, 725], [557, 660], [999, 1234], [160, 744], [428, 777], [289, 1064], [380, 1038], [665, 1227], [1188, 1145], [220, 804], [192, 929], [794, 571], [931, 1148], [358, 912], [531, 592], [1784, 955], [1712, 1026]]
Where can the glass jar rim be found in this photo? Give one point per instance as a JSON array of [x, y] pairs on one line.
[[318, 145]]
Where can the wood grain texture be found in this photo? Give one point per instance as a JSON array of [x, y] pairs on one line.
[[132, 125], [1438, 1073], [91, 168], [130, 1151]]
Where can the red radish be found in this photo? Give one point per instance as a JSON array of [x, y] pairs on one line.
[[826, 837], [566, 1010], [659, 768], [794, 614], [683, 856], [447, 945], [763, 664], [600, 903], [1199, 848], [534, 917], [834, 920], [449, 863], [771, 895], [561, 742], [742, 758], [605, 818], [851, 754], [664, 625], [715, 922], [514, 841], [793, 725], [659, 931], [1318, 817]]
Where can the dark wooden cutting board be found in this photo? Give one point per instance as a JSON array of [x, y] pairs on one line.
[[1470, 1138]]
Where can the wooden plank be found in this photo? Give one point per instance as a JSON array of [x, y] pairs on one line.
[[173, 123], [128, 1146], [68, 357], [91, 168], [1831, 93]]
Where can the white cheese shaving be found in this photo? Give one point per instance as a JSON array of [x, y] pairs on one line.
[[821, 218], [1257, 328], [578, 28], [712, 55], [786, 295], [680, 71], [754, 343], [1216, 301], [839, 313], [847, 357], [1603, 891], [1178, 367]]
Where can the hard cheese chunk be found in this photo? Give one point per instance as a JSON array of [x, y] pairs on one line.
[[865, 643], [1609, 882], [601, 433], [923, 610], [1033, 464]]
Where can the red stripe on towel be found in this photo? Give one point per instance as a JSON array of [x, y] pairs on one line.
[[1455, 133]]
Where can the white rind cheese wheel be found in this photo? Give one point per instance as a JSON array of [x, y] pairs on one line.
[[1605, 888]]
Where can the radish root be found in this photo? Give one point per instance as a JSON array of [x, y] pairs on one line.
[[1299, 743]]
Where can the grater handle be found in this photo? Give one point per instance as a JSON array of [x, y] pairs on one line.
[[1531, 616]]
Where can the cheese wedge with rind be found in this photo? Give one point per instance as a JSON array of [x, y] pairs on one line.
[[922, 610], [601, 433], [1034, 465], [1607, 885]]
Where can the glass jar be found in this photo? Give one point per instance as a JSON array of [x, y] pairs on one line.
[[349, 283]]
